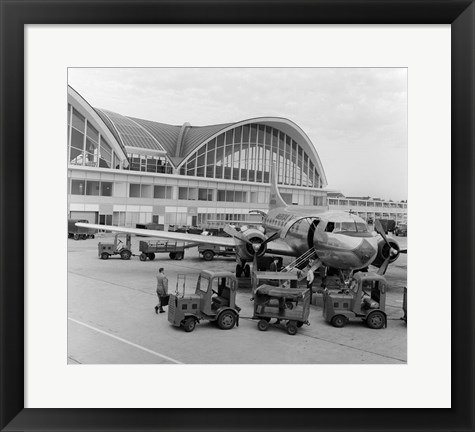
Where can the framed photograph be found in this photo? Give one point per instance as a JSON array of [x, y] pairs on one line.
[[187, 117]]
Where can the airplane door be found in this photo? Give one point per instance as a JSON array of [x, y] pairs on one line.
[[311, 232]]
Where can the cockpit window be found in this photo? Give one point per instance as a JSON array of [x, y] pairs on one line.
[[330, 227], [354, 226]]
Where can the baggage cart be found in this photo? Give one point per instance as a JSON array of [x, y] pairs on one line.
[[148, 249], [290, 305]]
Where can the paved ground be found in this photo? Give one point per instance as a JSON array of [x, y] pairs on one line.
[[112, 319]]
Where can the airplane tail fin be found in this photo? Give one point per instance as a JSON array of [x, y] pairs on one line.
[[275, 200]]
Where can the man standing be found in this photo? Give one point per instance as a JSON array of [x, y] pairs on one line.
[[274, 265], [162, 289]]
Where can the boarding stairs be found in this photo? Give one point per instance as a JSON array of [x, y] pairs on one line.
[[310, 254]]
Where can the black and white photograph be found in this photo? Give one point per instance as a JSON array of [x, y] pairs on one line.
[[237, 215]]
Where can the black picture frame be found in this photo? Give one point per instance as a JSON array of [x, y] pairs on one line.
[[460, 14]]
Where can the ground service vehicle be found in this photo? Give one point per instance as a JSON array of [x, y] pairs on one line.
[[365, 298], [105, 250], [175, 250], [214, 300], [209, 251], [291, 305], [76, 232], [401, 230]]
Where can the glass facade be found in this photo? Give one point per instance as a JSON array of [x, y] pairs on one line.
[[86, 145], [246, 153]]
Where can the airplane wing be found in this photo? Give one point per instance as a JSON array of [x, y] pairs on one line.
[[184, 237]]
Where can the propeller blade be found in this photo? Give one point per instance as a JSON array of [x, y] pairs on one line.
[[272, 237], [236, 234], [384, 267], [380, 230], [254, 263]]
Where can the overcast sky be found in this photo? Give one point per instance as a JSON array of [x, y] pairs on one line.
[[356, 118]]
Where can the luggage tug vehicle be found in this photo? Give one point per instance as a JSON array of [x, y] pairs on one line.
[[365, 298], [105, 250], [214, 300]]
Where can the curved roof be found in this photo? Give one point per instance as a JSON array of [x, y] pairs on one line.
[[180, 141], [285, 125]]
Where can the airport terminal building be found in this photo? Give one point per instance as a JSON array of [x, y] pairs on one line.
[[125, 171]]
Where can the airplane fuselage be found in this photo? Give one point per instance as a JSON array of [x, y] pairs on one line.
[[341, 240]]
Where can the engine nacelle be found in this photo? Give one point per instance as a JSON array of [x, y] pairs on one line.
[[254, 236], [384, 251]]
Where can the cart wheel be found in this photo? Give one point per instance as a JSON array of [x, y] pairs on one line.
[[238, 270], [227, 320], [151, 256], [84, 237], [172, 255], [300, 324], [92, 236], [189, 324], [208, 255], [247, 270], [76, 237], [376, 320], [338, 321], [104, 255], [179, 255], [125, 254], [143, 257], [263, 325], [292, 328]]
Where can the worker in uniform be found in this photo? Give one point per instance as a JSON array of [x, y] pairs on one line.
[[162, 289], [310, 278]]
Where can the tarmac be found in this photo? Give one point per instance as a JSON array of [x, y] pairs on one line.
[[111, 318]]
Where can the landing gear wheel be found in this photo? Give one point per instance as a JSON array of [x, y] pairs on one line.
[[172, 255], [179, 256], [76, 237], [338, 321], [104, 255], [238, 270], [227, 320], [247, 270], [143, 257], [208, 255], [263, 325], [151, 256], [125, 254], [292, 328], [376, 320], [189, 324]]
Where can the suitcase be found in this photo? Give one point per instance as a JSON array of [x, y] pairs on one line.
[[164, 300]]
